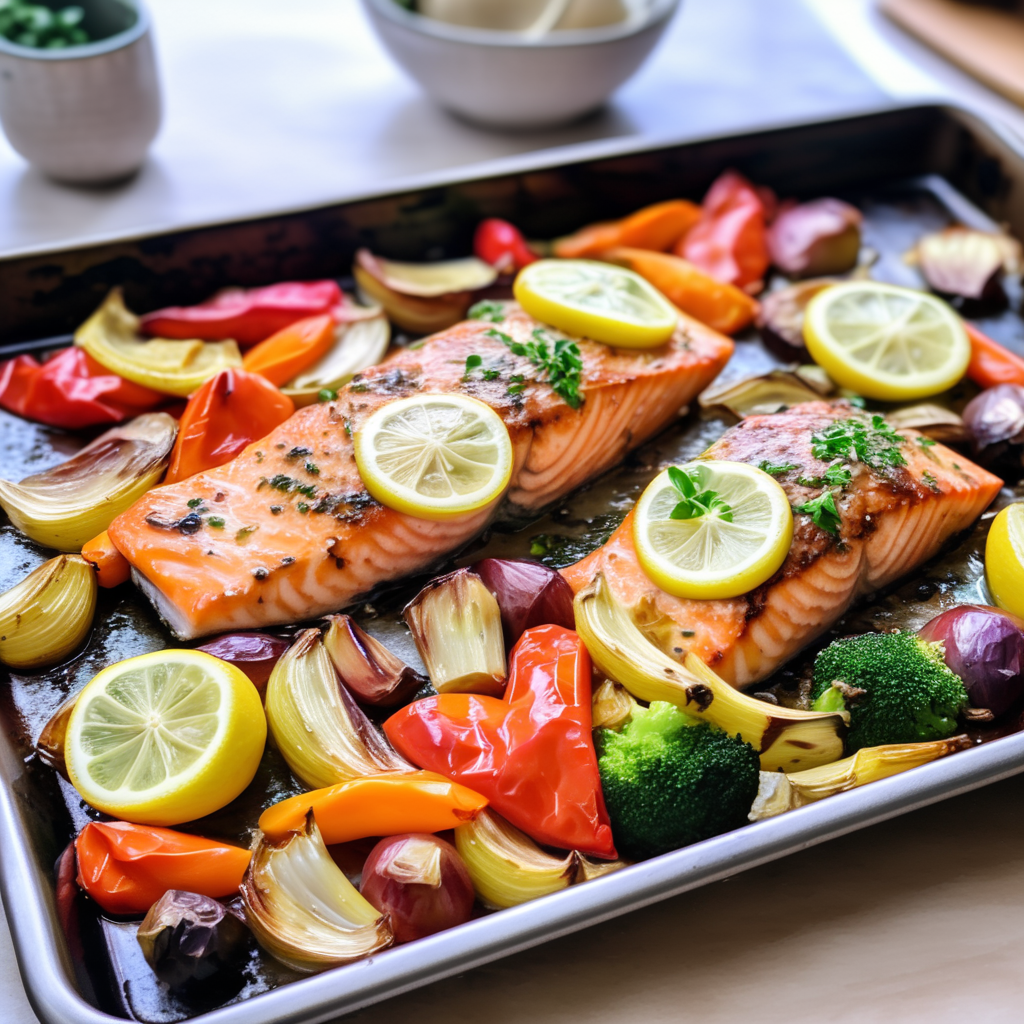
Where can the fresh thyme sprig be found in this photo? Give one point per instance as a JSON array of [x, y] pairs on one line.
[[558, 359], [697, 499]]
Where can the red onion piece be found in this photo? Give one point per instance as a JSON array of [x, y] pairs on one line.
[[528, 594], [421, 882], [996, 415], [255, 654], [819, 237], [985, 647]]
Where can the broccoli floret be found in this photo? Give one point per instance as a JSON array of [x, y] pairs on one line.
[[670, 780], [896, 687]]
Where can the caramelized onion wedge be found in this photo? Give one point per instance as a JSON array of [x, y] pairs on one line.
[[367, 667], [507, 867], [778, 792], [934, 421], [967, 263], [784, 738], [50, 745], [301, 907], [762, 394], [319, 729], [456, 623], [65, 507], [48, 614], [360, 344]]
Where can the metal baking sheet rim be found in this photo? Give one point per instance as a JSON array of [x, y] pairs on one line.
[[44, 960]]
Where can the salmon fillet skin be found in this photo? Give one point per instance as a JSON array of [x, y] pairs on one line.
[[893, 518], [287, 531]]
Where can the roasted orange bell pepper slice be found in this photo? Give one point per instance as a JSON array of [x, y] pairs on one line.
[[722, 306], [126, 868], [656, 227], [112, 568], [228, 413], [296, 348], [390, 804], [992, 363]]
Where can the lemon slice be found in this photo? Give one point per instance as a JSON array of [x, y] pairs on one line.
[[886, 342], [726, 551], [595, 300], [1004, 559], [165, 737], [434, 456]]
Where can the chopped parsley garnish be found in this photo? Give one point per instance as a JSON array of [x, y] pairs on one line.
[[823, 511], [326, 395], [472, 363], [931, 482], [491, 374], [874, 443], [302, 507], [347, 424], [195, 502], [243, 533], [492, 312], [216, 522], [312, 467], [697, 499], [280, 482], [558, 359], [776, 468], [925, 442]]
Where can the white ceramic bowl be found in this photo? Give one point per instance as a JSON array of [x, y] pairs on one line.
[[508, 80], [85, 114]]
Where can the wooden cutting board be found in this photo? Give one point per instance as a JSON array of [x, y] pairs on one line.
[[985, 41]]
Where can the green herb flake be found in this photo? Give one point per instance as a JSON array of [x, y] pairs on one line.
[[491, 374], [872, 442], [696, 498], [312, 468], [558, 360], [472, 363], [302, 507], [242, 535], [216, 522], [326, 395], [931, 482], [823, 511], [195, 502], [347, 424], [776, 468], [925, 442], [491, 312], [837, 476], [687, 633]]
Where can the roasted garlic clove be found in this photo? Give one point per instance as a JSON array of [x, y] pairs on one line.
[[456, 623], [303, 910], [373, 674], [507, 867], [65, 507], [319, 729], [48, 614], [612, 706]]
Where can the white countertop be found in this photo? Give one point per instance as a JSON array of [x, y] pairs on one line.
[[276, 106]]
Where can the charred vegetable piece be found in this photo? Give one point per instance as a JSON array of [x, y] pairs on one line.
[[255, 654], [320, 730], [613, 706], [528, 594], [781, 317], [934, 421], [985, 647], [507, 867], [779, 792], [456, 623], [378, 805], [670, 780], [48, 614], [819, 237], [373, 674], [995, 419], [303, 910], [191, 940], [50, 745], [765, 393], [964, 263], [65, 507], [530, 754], [420, 882], [895, 687], [126, 868]]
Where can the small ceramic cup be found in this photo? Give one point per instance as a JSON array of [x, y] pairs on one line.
[[85, 114]]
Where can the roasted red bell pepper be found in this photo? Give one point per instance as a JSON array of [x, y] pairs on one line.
[[248, 315], [229, 412], [126, 868], [992, 363], [730, 241], [71, 390], [531, 753]]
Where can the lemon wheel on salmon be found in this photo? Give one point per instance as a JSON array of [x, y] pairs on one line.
[[434, 456], [165, 737], [599, 301], [886, 342], [712, 529], [1004, 559]]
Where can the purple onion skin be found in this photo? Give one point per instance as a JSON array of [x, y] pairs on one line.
[[255, 654], [417, 909], [996, 415], [528, 594], [985, 647]]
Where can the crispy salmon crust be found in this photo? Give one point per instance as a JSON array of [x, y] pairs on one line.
[[286, 531], [892, 521]]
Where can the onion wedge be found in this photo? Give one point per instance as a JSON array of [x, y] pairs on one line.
[[359, 345]]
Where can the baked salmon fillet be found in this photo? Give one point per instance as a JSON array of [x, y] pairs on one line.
[[894, 515], [287, 531]]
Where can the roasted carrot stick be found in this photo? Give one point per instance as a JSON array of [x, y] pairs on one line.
[[992, 363], [656, 227], [112, 568]]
